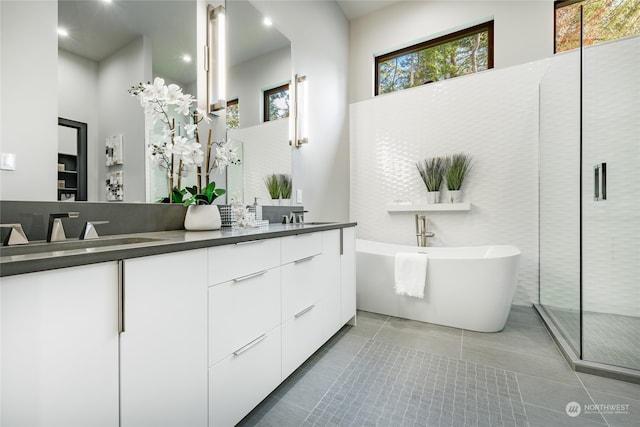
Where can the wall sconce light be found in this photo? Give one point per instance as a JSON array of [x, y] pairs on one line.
[[216, 64], [299, 123]]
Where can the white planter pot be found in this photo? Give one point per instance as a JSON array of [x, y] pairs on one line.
[[433, 197], [455, 196], [202, 217]]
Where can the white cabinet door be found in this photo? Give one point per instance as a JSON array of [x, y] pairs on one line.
[[330, 284], [60, 347], [240, 381], [163, 349], [348, 271]]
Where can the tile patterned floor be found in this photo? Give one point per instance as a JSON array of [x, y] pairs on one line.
[[608, 338], [523, 352]]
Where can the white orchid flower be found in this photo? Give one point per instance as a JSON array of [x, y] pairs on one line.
[[190, 129]]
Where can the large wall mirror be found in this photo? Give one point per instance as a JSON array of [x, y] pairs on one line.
[[111, 46], [259, 59]]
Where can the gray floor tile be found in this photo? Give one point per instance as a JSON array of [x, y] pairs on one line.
[[620, 412], [607, 385], [545, 367], [554, 395], [273, 412], [367, 325], [399, 324], [304, 391], [543, 417], [525, 315], [516, 337], [436, 344]]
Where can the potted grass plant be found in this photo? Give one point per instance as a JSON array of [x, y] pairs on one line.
[[272, 182], [284, 182], [432, 173], [457, 168]]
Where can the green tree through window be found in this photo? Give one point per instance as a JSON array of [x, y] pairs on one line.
[[276, 103], [456, 54], [233, 114], [603, 20]]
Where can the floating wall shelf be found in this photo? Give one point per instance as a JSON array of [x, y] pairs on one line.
[[430, 207]]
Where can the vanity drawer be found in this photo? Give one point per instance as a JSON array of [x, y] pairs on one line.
[[231, 261], [301, 284], [240, 381], [241, 309], [300, 246], [301, 337]]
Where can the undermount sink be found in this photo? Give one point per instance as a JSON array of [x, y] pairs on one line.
[[34, 248]]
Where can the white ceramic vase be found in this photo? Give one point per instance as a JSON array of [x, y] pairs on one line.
[[202, 217], [433, 197], [455, 196]]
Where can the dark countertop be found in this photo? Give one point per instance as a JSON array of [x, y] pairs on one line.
[[151, 243]]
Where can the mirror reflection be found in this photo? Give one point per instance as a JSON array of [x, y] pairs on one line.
[[259, 64], [104, 48]]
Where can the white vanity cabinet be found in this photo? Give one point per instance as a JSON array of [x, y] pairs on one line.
[[348, 275], [163, 348], [245, 345], [59, 350]]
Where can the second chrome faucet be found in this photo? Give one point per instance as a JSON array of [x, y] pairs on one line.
[[55, 232]]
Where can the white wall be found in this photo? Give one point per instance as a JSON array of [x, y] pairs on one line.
[[523, 32], [248, 80], [29, 101], [120, 113], [319, 35], [78, 100], [610, 228], [493, 116]]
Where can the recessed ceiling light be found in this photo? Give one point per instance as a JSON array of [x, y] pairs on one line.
[[107, 1], [267, 21], [186, 58], [62, 32]]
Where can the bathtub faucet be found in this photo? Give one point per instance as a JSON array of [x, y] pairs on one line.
[[421, 230]]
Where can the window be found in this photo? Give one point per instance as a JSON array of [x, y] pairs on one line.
[[233, 114], [456, 54], [603, 20], [276, 103]]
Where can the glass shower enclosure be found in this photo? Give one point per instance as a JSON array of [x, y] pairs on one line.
[[589, 194]]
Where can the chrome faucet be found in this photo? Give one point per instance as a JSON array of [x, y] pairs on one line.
[[291, 218], [89, 230], [55, 232], [16, 235], [421, 230]]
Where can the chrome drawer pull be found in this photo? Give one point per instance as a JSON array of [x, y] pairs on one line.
[[249, 276], [305, 311], [241, 350], [305, 259], [249, 242]]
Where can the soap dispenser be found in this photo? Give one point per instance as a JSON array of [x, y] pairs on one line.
[[258, 209]]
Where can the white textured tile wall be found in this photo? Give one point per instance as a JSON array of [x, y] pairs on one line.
[[493, 116], [611, 129]]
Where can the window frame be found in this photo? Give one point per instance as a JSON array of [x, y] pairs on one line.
[[265, 98], [485, 26]]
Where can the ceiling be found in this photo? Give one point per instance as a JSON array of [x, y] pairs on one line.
[[98, 28]]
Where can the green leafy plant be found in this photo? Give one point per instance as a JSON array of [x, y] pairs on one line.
[[205, 197], [285, 185], [432, 172], [457, 168], [273, 185], [177, 196]]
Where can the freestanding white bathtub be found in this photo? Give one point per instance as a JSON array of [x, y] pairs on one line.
[[467, 287]]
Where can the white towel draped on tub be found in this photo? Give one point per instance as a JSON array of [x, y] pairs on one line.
[[410, 274]]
